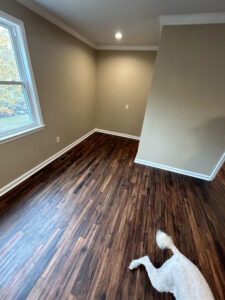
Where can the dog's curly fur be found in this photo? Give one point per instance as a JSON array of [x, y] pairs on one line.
[[178, 275]]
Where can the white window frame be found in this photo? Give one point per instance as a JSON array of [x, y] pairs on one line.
[[21, 51]]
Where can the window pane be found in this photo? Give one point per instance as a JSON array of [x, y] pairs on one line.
[[14, 112], [8, 66]]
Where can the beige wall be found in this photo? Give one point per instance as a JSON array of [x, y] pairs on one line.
[[80, 89], [68, 81], [184, 125], [123, 77], [65, 73]]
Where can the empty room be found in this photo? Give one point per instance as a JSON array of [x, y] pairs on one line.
[[112, 149]]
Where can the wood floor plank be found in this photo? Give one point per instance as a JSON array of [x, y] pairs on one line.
[[71, 230]]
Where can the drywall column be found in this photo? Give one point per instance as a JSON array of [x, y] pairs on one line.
[[184, 124]]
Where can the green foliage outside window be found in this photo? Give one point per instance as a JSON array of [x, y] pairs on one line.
[[12, 101]]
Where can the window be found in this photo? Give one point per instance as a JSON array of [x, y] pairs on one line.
[[19, 106]]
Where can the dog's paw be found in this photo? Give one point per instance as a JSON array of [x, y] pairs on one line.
[[133, 265]]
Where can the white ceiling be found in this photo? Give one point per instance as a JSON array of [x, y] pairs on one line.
[[97, 20]]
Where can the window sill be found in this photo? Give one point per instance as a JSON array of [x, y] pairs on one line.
[[14, 136]]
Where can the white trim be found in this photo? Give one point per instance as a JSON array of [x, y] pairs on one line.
[[12, 82], [20, 134], [171, 169], [44, 13], [192, 19], [19, 41], [10, 18], [185, 172], [26, 175], [29, 73], [218, 166], [128, 48], [38, 9], [183, 19], [128, 136]]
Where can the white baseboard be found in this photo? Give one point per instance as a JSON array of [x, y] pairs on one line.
[[171, 169], [118, 134], [218, 166], [26, 175]]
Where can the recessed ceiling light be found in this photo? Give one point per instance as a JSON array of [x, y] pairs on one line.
[[118, 35]]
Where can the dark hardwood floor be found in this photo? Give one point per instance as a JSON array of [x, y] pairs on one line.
[[71, 230]]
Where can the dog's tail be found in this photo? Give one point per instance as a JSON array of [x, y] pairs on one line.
[[165, 241]]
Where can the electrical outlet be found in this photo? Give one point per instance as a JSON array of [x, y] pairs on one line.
[[126, 106], [57, 139]]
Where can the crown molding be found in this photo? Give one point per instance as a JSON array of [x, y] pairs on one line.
[[185, 19], [192, 19], [128, 48], [55, 20], [38, 9]]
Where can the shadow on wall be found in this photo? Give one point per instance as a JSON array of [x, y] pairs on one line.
[[209, 137]]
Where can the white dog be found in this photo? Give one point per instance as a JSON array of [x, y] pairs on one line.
[[178, 275]]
